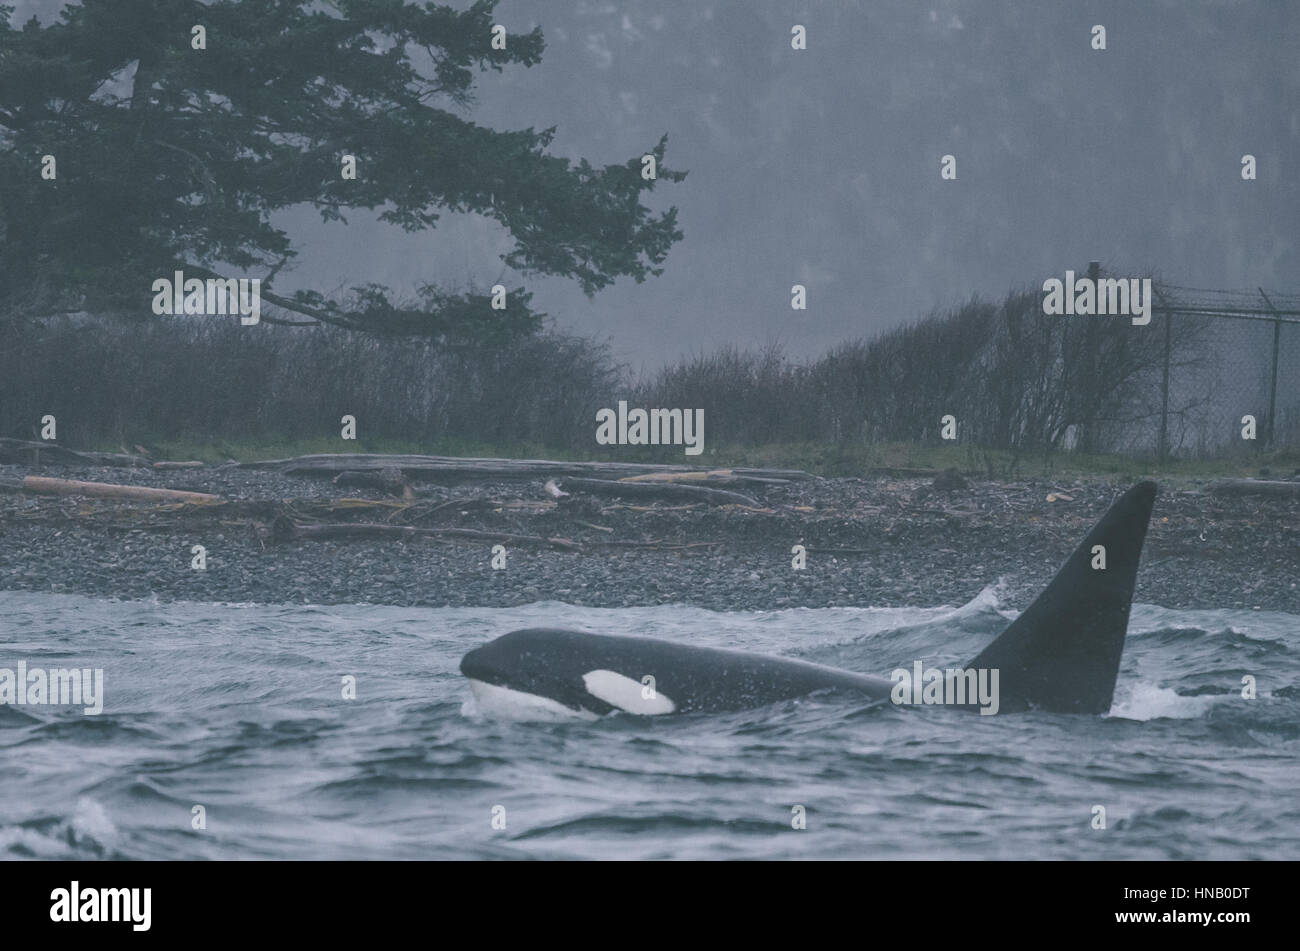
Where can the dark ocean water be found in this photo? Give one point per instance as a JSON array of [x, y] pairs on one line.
[[239, 708]]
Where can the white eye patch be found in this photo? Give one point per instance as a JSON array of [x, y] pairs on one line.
[[625, 693]]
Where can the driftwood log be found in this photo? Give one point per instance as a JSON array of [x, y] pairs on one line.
[[656, 491], [712, 477], [1271, 489], [446, 469], [388, 480], [903, 472], [46, 486], [31, 452], [286, 529]]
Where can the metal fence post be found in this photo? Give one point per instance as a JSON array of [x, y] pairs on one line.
[[1162, 450], [1272, 391]]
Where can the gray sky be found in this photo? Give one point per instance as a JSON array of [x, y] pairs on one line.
[[822, 166]]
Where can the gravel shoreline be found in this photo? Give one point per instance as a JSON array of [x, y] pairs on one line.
[[912, 545]]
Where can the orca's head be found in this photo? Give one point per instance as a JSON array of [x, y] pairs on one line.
[[545, 671], [515, 660], [534, 667]]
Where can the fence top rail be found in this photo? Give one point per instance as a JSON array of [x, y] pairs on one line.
[[1272, 316], [1204, 294], [1274, 306]]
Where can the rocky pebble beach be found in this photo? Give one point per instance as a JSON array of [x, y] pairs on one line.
[[882, 542]]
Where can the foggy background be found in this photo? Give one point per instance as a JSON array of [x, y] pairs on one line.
[[821, 166]]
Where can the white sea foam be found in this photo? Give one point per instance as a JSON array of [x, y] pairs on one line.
[[1148, 701]]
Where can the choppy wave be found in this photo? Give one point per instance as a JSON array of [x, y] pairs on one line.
[[238, 709]]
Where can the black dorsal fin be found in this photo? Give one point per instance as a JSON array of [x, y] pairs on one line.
[[1062, 654]]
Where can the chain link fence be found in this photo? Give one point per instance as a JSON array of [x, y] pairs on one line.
[[1237, 385]]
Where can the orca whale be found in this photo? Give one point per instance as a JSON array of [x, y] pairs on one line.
[[1060, 655]]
